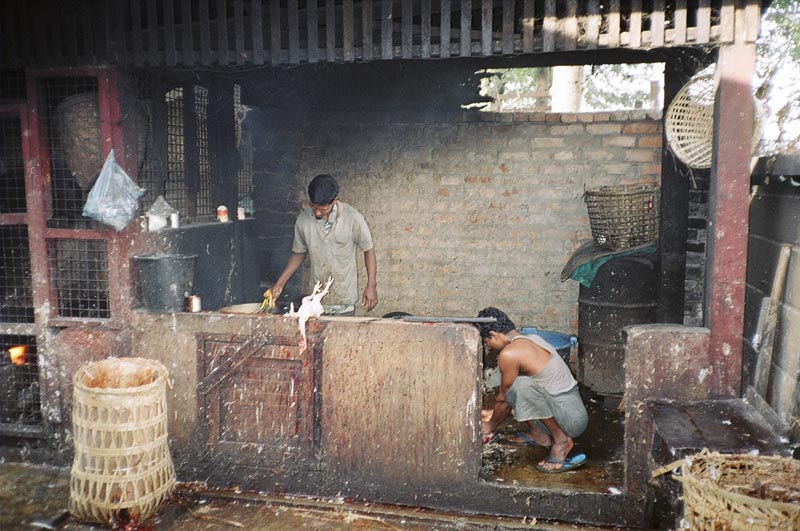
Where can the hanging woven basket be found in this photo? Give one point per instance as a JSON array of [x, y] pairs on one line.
[[78, 119], [689, 122]]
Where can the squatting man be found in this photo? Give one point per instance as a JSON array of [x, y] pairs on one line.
[[538, 387]]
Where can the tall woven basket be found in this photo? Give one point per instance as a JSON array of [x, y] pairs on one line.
[[79, 129], [740, 492], [122, 459], [623, 216]]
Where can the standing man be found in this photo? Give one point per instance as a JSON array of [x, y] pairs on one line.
[[329, 233], [539, 388]]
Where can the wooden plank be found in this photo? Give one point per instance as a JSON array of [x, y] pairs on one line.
[[569, 26], [348, 31], [294, 32], [223, 52], [87, 34], [727, 17], [275, 32], [528, 23], [187, 38], [703, 30], [313, 28], [153, 53], [486, 27], [465, 37], [679, 34], [766, 327], [592, 35], [657, 18], [549, 26], [170, 54], [70, 23], [613, 23], [387, 26], [444, 29], [425, 29], [330, 30], [256, 27], [406, 42], [238, 28], [204, 21], [366, 30], [635, 25], [136, 32], [8, 33], [752, 20], [508, 27]]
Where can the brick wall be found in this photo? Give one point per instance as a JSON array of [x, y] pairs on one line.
[[467, 209]]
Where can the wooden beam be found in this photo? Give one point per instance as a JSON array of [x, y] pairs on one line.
[[728, 215], [657, 18], [528, 23], [168, 12], [613, 23], [703, 21], [569, 26], [635, 25], [386, 29], [406, 42], [444, 32], [466, 28], [679, 34], [486, 27], [205, 32], [187, 39], [549, 26], [256, 26], [223, 57], [330, 30], [366, 30], [727, 18], [508, 27], [275, 32], [238, 28], [294, 32], [348, 31], [313, 32]]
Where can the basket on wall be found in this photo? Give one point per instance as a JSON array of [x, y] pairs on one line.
[[122, 459], [689, 122], [739, 491], [623, 216], [78, 118]]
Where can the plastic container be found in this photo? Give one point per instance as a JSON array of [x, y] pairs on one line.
[[561, 342], [165, 279]]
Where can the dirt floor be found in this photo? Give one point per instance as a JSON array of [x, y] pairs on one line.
[[36, 497]]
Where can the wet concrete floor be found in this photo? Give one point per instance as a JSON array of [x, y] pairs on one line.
[[510, 462], [34, 496]]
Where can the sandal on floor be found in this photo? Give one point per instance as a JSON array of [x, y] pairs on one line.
[[570, 463]]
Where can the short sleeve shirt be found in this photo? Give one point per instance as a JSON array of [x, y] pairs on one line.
[[334, 254]]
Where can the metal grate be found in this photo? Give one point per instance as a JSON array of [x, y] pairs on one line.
[[244, 143], [12, 85], [20, 400], [16, 299], [79, 273], [204, 210], [70, 124], [175, 185], [12, 169]]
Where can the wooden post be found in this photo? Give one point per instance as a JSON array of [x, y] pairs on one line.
[[728, 215]]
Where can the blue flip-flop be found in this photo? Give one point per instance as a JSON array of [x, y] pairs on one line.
[[570, 463], [528, 441]]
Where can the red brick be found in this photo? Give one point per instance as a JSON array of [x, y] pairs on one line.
[[642, 127], [650, 141], [639, 155]]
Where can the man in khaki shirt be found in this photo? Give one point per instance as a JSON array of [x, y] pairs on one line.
[[329, 233]]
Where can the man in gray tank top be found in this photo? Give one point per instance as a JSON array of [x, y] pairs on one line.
[[329, 232], [538, 388]]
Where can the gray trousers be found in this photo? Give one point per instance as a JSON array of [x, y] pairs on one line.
[[531, 402]]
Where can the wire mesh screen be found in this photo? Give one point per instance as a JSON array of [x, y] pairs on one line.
[[244, 143], [12, 85], [16, 299], [79, 275], [70, 122], [175, 184], [204, 209], [20, 400], [12, 169]]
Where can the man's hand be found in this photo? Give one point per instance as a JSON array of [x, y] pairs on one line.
[[370, 298], [276, 292]]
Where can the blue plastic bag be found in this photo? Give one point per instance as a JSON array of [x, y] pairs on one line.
[[114, 198]]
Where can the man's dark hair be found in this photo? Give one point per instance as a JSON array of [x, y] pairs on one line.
[[501, 326], [323, 189]]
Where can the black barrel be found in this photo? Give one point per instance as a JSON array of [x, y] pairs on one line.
[[624, 292]]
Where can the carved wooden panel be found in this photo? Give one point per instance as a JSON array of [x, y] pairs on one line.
[[258, 396]]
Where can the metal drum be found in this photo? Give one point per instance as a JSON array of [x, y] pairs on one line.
[[624, 292]]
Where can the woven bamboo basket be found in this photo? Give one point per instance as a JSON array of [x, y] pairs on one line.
[[122, 459], [623, 216], [79, 129], [689, 122], [739, 492]]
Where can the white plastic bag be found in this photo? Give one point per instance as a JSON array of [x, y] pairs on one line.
[[114, 198]]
